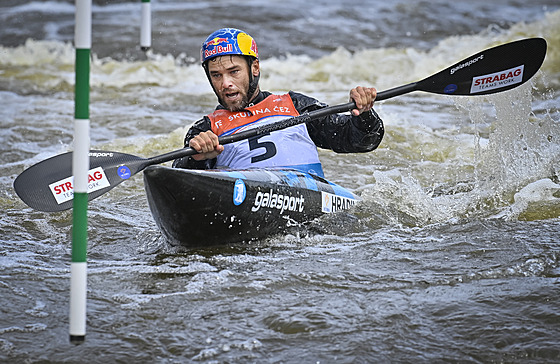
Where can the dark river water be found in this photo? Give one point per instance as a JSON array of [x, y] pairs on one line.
[[452, 255]]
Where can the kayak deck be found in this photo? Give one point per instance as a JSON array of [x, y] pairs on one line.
[[212, 207]]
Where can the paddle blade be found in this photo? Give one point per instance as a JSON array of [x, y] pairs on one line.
[[48, 185], [493, 70]]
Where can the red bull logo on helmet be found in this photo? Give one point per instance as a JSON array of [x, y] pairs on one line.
[[217, 51]]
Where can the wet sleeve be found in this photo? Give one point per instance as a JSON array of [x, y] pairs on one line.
[[189, 162], [342, 133]]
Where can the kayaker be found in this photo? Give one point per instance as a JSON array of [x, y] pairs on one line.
[[231, 61]]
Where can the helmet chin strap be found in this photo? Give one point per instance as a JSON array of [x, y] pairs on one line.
[[253, 81]]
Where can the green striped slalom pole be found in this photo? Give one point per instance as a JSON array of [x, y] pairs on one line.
[[80, 168], [146, 26]]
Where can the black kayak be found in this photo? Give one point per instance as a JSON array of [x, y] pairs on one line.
[[196, 208]]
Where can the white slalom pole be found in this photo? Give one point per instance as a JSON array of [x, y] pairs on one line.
[[80, 167], [146, 26]]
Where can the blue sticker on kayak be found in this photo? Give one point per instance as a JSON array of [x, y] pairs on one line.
[[124, 172], [239, 192], [449, 89], [341, 191]]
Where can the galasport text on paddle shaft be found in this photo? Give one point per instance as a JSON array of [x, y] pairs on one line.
[[48, 185]]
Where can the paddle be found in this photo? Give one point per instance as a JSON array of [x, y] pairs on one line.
[[47, 185]]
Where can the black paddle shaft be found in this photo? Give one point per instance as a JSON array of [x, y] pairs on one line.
[[490, 71]]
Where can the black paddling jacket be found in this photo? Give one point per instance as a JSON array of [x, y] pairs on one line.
[[339, 132]]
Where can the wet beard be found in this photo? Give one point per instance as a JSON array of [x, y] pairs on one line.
[[237, 106]]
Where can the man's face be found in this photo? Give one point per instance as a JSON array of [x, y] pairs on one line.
[[230, 77]]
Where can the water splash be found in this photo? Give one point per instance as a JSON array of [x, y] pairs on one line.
[[511, 150]]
